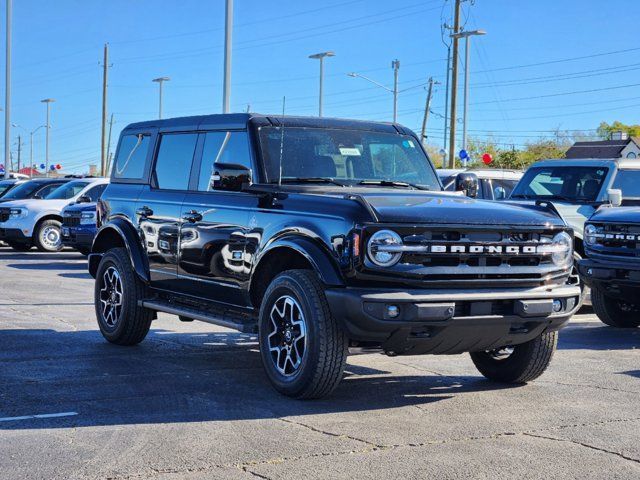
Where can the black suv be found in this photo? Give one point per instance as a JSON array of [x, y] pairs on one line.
[[320, 235], [612, 269]]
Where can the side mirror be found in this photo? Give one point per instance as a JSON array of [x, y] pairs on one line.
[[229, 176], [84, 199], [467, 183], [615, 197]]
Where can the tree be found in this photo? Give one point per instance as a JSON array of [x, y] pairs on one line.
[[605, 130]]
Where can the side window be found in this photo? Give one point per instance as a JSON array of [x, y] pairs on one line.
[[96, 192], [46, 190], [173, 163], [222, 147], [131, 158]]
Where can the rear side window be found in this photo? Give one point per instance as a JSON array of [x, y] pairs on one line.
[[222, 147], [96, 192], [131, 158], [46, 190], [173, 164], [629, 182]]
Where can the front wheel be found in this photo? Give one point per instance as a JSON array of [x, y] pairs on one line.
[[518, 364], [614, 313], [48, 236], [303, 348], [116, 294]]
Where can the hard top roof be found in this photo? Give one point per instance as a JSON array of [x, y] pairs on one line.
[[623, 163], [240, 120]]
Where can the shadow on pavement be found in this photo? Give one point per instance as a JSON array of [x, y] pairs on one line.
[[9, 254], [631, 373], [48, 266], [76, 275], [595, 336], [187, 378]]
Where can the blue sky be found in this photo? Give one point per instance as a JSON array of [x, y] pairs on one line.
[[543, 64]]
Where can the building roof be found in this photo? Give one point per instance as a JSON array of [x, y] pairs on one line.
[[600, 149]]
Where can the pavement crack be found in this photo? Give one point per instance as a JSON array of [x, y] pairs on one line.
[[255, 474], [331, 434], [597, 387], [586, 445]]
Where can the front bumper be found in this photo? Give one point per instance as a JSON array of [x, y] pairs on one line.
[[13, 235], [620, 280], [78, 238], [451, 321]]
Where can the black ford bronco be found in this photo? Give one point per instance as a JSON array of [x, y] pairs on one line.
[[612, 269], [320, 235]]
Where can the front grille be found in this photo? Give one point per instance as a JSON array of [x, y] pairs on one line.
[[616, 240], [4, 214], [468, 256], [69, 221]]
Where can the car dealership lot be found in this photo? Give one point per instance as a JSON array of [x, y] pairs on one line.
[[192, 401]]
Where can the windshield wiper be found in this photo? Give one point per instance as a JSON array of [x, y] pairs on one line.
[[391, 183], [562, 197], [522, 195], [313, 180]]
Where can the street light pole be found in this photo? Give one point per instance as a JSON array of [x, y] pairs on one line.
[[467, 36], [160, 81], [7, 95], [228, 29], [48, 101], [31, 149], [321, 56], [396, 67]]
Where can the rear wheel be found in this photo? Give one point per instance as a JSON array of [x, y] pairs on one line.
[[614, 313], [20, 247], [117, 292], [48, 236], [303, 348], [520, 363]]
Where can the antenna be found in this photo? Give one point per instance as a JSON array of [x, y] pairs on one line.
[[284, 99]]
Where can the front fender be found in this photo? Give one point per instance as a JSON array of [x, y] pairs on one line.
[[318, 256], [119, 233]]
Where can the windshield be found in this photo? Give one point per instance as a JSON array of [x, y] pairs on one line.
[[24, 190], [572, 184], [66, 191], [629, 182], [5, 186], [347, 157]]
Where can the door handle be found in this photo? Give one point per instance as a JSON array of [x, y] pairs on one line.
[[192, 216], [144, 211]]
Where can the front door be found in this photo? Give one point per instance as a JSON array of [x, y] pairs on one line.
[[212, 259], [159, 205]]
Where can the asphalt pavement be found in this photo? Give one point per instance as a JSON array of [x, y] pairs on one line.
[[192, 402]]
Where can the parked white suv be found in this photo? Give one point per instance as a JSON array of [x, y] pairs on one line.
[[28, 223]]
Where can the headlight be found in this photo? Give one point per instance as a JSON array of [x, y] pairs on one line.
[[18, 213], [385, 248], [590, 232], [87, 218], [560, 248]]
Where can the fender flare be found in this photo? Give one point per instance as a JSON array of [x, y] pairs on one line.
[[316, 255], [131, 241]]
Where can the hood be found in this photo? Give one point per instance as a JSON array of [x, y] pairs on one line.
[[81, 207], [37, 205], [623, 215], [449, 209], [574, 214]]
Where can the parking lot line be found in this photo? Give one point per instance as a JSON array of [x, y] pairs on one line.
[[42, 415]]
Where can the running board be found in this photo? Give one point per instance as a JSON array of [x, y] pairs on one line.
[[160, 306]]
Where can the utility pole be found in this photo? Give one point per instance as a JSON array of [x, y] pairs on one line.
[[7, 95], [228, 28], [446, 100], [103, 149], [48, 101], [19, 152], [396, 67], [109, 144], [427, 106], [454, 86]]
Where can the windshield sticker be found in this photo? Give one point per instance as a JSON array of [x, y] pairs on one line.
[[349, 152], [408, 144]]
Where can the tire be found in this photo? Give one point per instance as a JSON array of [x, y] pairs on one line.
[[20, 247], [317, 345], [614, 312], [525, 363], [126, 323], [47, 236], [576, 280]]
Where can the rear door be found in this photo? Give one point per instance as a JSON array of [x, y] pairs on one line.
[[213, 263], [159, 204]]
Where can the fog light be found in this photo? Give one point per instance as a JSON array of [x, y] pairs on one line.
[[557, 305], [392, 311]]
